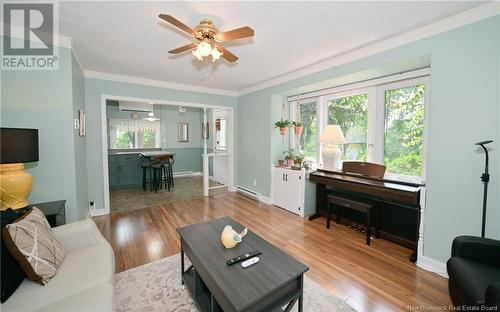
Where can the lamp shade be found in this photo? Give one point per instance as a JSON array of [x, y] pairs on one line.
[[18, 145], [332, 134]]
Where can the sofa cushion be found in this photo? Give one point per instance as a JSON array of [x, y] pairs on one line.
[[471, 278], [97, 298], [31, 241], [11, 273], [80, 270]]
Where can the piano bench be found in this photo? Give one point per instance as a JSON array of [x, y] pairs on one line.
[[361, 206]]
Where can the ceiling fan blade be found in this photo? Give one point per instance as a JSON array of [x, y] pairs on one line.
[[238, 33], [172, 20], [227, 55], [183, 48]]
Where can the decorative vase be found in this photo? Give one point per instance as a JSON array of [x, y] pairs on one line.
[[290, 162], [281, 163], [16, 186], [298, 130], [230, 238], [282, 131]]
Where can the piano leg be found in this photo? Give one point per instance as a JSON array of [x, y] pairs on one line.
[[314, 216], [413, 257]]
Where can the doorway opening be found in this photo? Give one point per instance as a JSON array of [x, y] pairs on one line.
[[159, 152]]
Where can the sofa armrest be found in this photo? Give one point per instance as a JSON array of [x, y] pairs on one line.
[[479, 249], [79, 235], [492, 296]]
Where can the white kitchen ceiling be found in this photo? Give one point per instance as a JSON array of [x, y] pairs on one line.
[[128, 38]]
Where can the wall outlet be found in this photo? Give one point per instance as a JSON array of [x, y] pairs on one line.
[[91, 205], [254, 182]]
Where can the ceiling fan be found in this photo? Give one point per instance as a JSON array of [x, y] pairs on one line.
[[209, 39]]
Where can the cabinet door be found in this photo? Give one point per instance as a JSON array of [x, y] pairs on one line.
[[293, 190], [128, 173], [279, 188]]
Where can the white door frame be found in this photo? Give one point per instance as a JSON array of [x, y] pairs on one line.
[[104, 140]]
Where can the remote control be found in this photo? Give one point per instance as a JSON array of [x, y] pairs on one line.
[[249, 262], [243, 257]]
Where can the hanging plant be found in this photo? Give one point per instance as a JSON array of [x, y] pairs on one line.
[[282, 125], [298, 127]]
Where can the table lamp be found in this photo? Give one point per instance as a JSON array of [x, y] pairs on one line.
[[18, 146], [331, 136]]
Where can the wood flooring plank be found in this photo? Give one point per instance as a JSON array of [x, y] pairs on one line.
[[370, 278]]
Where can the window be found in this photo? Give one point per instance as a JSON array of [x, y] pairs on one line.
[[404, 129], [308, 141], [132, 133], [220, 133], [351, 114], [383, 122]]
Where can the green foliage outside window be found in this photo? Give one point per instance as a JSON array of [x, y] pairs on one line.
[[308, 139], [351, 114], [404, 130]]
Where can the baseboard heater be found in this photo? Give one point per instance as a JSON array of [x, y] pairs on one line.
[[248, 192], [186, 174]]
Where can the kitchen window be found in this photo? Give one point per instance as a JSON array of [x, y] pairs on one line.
[[133, 134]]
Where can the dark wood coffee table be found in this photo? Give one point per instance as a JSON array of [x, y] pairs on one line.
[[276, 281]]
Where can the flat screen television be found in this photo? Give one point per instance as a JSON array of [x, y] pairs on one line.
[[18, 145]]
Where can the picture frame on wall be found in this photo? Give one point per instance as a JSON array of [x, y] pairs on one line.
[[81, 118]]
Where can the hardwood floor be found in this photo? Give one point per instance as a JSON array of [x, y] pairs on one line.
[[370, 278]]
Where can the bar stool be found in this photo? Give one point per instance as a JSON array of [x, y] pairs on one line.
[[146, 167]]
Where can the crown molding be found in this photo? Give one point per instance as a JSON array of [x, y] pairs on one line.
[[467, 17], [157, 83], [18, 32], [76, 54]]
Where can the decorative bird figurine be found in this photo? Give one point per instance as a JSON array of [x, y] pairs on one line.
[[230, 238]]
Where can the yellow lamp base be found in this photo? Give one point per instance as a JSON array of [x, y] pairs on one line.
[[15, 185]]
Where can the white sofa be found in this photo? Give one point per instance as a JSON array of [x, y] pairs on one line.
[[84, 282]]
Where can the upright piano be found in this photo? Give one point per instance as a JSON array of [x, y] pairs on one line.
[[398, 201]]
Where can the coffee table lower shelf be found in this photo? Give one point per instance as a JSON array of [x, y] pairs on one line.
[[199, 291]]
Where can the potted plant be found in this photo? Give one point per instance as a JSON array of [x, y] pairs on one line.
[[298, 126], [299, 159], [290, 156], [282, 124]]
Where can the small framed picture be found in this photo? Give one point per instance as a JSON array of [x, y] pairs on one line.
[[81, 118]]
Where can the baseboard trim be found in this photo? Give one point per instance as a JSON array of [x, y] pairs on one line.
[[432, 265], [266, 200]]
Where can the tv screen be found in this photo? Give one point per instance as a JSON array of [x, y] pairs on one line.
[[18, 145]]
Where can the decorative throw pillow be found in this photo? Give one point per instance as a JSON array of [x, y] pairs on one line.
[[31, 241], [11, 273]]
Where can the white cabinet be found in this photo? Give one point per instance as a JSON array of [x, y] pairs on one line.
[[288, 189]]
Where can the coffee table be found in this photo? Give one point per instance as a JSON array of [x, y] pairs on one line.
[[275, 283]]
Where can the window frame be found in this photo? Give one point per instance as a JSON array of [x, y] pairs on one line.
[[112, 136], [293, 116], [375, 140], [380, 135]]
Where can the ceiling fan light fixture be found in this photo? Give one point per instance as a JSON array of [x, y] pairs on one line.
[[216, 54]]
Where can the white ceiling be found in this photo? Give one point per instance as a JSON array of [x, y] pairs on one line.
[[128, 38]]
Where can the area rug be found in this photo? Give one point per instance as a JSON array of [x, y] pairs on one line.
[[157, 287]]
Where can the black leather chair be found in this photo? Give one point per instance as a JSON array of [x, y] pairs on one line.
[[474, 272]]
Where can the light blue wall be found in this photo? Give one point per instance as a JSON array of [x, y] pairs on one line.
[[80, 142], [94, 88], [44, 100], [464, 109]]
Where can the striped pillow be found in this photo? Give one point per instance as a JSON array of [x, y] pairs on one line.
[[31, 241]]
